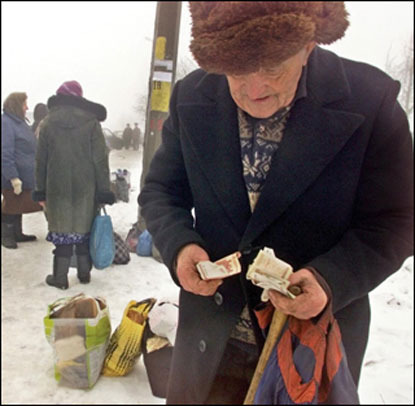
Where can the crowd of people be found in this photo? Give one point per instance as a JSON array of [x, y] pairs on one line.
[[58, 165], [131, 137], [274, 142]]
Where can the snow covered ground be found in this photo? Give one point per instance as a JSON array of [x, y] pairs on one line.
[[27, 359]]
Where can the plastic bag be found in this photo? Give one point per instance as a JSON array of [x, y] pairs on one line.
[[145, 243], [125, 343], [101, 242], [78, 329]]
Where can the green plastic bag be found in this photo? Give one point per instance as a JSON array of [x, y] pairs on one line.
[[78, 329]]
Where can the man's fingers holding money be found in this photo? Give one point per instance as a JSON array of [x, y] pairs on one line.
[[187, 273], [190, 280], [307, 304]]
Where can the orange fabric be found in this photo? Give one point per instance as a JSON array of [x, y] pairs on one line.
[[264, 316], [323, 338]]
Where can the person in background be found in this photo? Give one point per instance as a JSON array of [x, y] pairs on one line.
[[39, 113], [136, 137], [72, 177], [127, 136], [275, 142], [18, 148]]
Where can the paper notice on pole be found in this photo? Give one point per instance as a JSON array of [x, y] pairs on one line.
[[162, 76], [160, 94]]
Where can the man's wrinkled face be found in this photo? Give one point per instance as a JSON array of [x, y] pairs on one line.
[[263, 93]]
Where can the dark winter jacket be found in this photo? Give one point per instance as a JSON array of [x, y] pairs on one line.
[[18, 149], [71, 163], [338, 197]]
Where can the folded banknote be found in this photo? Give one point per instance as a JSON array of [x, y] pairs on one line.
[[220, 269]]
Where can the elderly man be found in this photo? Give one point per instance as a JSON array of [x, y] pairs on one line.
[[275, 143]]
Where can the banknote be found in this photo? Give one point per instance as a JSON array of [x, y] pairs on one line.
[[222, 268], [269, 272]]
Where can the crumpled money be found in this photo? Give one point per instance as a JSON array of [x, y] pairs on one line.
[[269, 272]]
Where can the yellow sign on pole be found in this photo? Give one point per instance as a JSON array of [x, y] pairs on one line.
[[160, 94]]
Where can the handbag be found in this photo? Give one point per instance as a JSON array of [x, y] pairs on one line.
[[101, 242], [78, 328], [122, 252]]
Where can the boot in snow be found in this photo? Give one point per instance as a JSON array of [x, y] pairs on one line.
[[8, 239], [59, 279], [84, 264], [19, 236]]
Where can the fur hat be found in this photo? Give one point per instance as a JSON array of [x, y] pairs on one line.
[[238, 37], [70, 88]]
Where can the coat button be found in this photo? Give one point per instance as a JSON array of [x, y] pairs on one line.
[[202, 345], [218, 298]]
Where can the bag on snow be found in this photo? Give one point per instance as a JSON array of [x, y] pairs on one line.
[[101, 241], [158, 341], [125, 343], [132, 238], [308, 365], [145, 243], [122, 252], [78, 328]]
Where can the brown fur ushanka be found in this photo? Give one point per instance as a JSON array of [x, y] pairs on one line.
[[237, 37]]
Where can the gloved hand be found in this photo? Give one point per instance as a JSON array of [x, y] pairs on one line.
[[17, 185], [106, 197]]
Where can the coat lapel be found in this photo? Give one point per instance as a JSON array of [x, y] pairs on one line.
[[312, 138], [315, 133], [212, 129]]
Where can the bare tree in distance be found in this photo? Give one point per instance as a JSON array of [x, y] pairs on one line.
[[401, 67]]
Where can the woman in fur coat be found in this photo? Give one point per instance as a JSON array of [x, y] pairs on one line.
[[72, 177]]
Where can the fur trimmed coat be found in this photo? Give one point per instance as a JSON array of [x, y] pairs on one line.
[[71, 163], [338, 197]]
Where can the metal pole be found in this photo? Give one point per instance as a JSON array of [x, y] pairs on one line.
[[161, 81]]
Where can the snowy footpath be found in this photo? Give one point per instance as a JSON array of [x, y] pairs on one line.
[[27, 358]]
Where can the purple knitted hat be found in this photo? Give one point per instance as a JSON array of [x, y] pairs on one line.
[[71, 88]]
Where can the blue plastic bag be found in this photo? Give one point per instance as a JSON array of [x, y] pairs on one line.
[[101, 242], [145, 244]]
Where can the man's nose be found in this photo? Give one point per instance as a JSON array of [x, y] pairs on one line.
[[255, 87]]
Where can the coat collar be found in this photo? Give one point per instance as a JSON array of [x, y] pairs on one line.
[[98, 110], [315, 133]]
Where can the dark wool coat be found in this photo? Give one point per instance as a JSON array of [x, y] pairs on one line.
[[18, 149], [338, 197], [71, 163]]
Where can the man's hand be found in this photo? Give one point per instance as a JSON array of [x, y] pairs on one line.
[[188, 275], [307, 304], [17, 185], [43, 204]]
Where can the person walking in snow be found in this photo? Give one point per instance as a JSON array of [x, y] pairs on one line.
[[72, 177], [136, 134], [18, 148], [127, 136], [275, 142]]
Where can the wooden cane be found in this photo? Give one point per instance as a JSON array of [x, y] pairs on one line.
[[277, 323]]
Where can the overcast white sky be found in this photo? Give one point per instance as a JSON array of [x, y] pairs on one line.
[[107, 47]]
